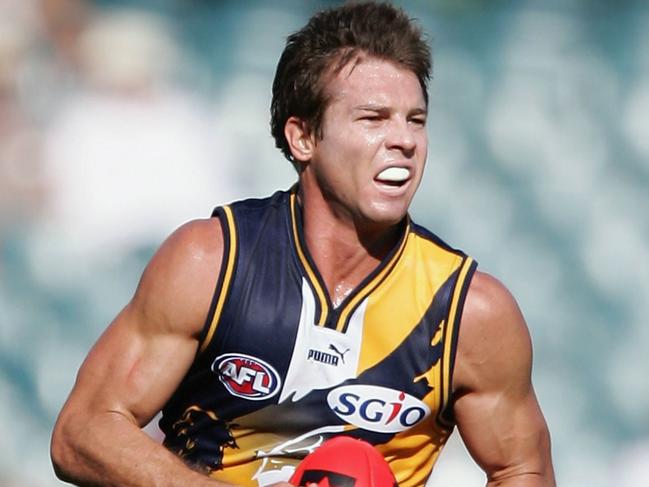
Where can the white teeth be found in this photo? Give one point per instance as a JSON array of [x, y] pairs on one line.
[[395, 174]]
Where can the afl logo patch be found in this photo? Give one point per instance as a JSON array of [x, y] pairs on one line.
[[247, 377], [377, 408]]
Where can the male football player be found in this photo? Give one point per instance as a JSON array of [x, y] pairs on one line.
[[320, 311]]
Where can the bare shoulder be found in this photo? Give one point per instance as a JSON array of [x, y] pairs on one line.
[[494, 345], [176, 287]]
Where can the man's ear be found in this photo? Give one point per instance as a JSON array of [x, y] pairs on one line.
[[300, 139]]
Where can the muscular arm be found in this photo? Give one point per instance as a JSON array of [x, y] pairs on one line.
[[495, 406], [134, 368]]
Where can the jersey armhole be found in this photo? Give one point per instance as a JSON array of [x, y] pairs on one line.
[[224, 281], [451, 333]]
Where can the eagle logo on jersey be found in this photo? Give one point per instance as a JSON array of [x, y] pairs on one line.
[[246, 376]]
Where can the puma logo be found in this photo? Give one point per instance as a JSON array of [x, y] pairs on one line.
[[341, 354]]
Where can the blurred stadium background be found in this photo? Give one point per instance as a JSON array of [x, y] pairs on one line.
[[120, 120]]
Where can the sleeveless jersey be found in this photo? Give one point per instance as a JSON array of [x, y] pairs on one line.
[[280, 369]]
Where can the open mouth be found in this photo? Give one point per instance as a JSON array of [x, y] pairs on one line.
[[393, 176]]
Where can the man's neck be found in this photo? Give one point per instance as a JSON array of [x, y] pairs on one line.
[[344, 251]]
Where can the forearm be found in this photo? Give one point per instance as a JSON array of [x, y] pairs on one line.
[[109, 450], [536, 479]]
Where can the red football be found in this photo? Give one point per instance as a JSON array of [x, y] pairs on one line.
[[344, 462]]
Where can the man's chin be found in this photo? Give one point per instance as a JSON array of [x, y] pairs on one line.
[[386, 215]]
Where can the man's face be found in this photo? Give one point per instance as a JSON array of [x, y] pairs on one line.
[[371, 156]]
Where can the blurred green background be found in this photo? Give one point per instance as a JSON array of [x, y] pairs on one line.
[[121, 120]]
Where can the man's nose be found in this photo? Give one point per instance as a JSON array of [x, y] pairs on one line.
[[401, 137]]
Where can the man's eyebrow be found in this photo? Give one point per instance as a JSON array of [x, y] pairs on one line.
[[370, 107], [381, 108], [418, 111]]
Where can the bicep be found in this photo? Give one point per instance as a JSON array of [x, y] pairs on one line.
[[506, 435], [143, 355], [495, 407], [133, 368]]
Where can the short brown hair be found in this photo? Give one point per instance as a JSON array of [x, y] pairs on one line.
[[331, 39]]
